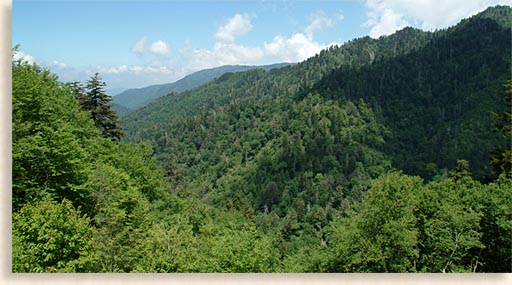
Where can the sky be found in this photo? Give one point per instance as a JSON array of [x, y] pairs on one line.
[[134, 44]]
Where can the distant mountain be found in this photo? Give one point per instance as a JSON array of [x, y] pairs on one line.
[[121, 111], [115, 91], [132, 99]]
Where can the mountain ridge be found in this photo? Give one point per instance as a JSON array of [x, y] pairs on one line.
[[135, 98], [292, 84]]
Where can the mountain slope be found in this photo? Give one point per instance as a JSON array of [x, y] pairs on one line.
[[439, 101], [437, 91], [136, 98], [286, 82]]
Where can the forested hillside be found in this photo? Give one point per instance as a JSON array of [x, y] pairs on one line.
[[380, 155], [132, 99]]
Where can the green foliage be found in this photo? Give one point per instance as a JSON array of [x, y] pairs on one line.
[[382, 235], [496, 226], [132, 99], [120, 219], [501, 160], [451, 230], [234, 246], [58, 157], [49, 137], [52, 237], [455, 225], [437, 100]]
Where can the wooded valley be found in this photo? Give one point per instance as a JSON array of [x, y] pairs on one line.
[[380, 155]]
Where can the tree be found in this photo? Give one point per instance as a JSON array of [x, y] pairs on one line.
[[96, 102], [501, 160], [52, 237], [382, 236], [496, 226], [49, 136], [76, 88], [449, 224]]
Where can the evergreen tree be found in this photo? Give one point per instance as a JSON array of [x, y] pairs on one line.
[[96, 102], [501, 160], [76, 88]]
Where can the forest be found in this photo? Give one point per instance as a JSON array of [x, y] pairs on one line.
[[380, 155]]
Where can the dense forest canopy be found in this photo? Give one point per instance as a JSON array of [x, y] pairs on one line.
[[380, 155]]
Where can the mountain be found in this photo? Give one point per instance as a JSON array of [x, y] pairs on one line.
[[121, 111], [283, 82], [304, 144], [299, 148], [439, 100], [436, 92], [115, 91], [136, 98]]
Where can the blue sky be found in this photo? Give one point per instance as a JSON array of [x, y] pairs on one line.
[[139, 43]]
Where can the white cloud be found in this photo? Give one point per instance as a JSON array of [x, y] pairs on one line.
[[340, 16], [136, 76], [281, 48], [386, 16], [237, 26], [24, 57], [136, 69], [387, 23], [58, 64], [294, 48], [160, 47], [318, 22], [139, 46]]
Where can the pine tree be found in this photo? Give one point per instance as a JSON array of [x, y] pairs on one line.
[[96, 102]]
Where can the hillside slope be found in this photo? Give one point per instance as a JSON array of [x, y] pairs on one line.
[[136, 98], [440, 100]]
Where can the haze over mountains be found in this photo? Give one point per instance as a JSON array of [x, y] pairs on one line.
[[132, 99]]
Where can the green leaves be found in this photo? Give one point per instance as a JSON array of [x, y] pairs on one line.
[[382, 235], [405, 226], [452, 232], [52, 237], [58, 157], [49, 137]]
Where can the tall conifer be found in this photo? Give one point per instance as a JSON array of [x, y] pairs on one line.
[[96, 102]]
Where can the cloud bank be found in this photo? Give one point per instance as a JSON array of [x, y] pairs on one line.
[[387, 16], [294, 48], [225, 50]]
